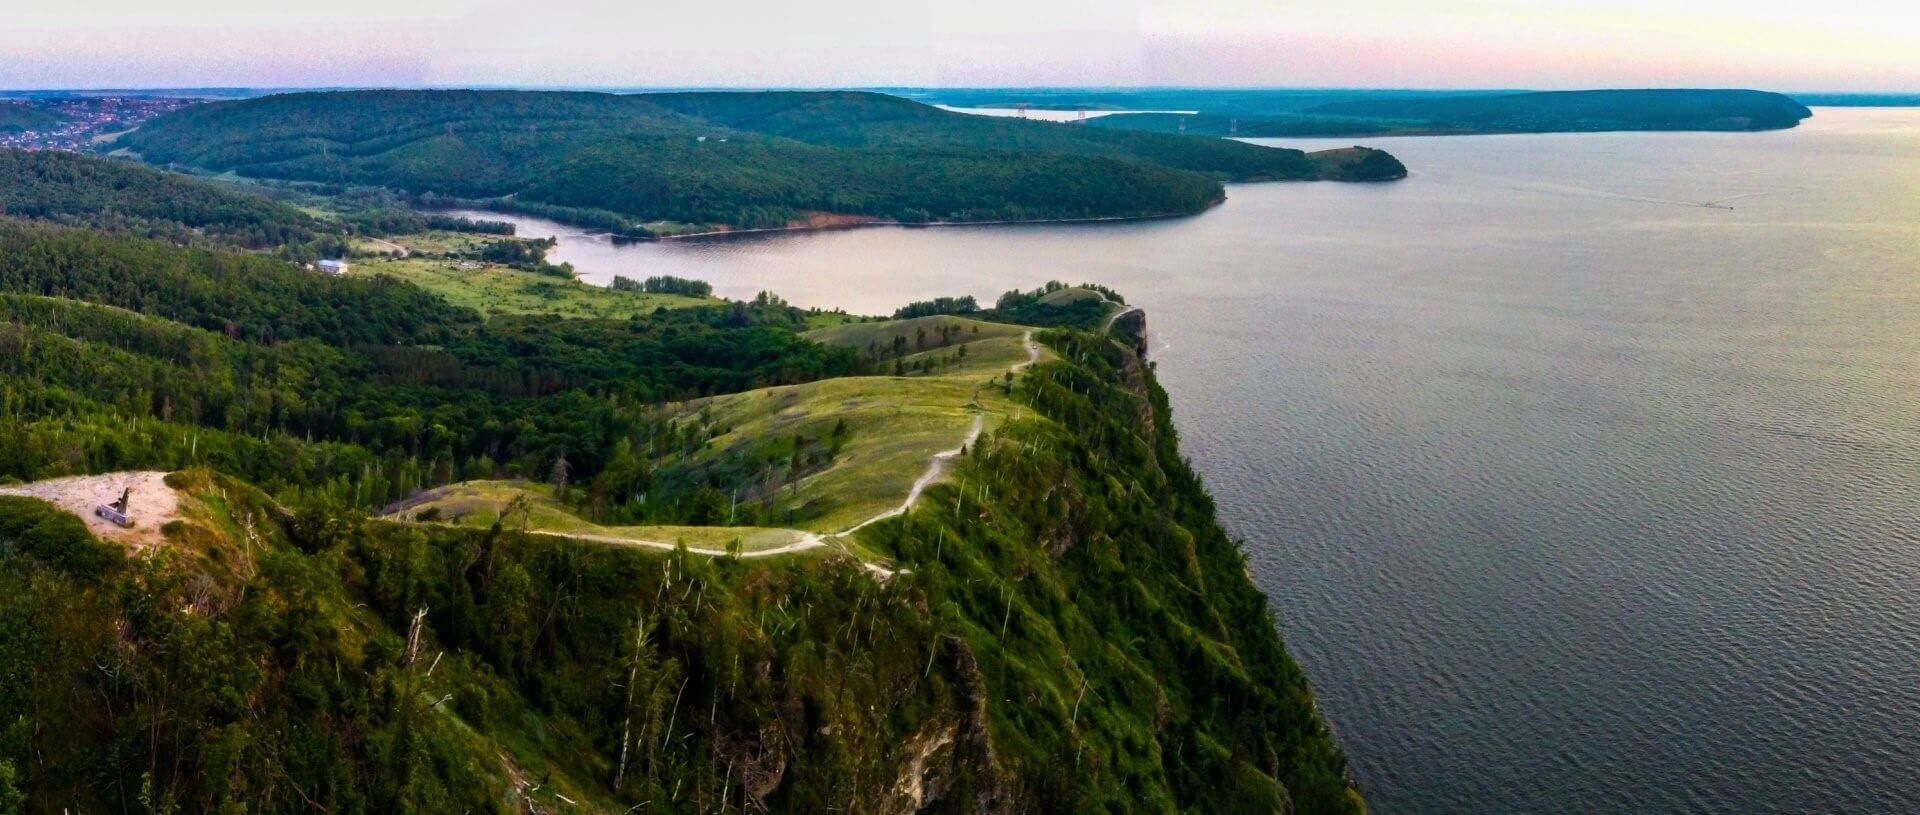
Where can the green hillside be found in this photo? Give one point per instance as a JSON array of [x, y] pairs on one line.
[[1072, 633], [732, 159], [850, 119], [16, 117], [1056, 625], [119, 195], [1585, 111], [445, 536]]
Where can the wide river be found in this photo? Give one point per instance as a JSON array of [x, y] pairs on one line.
[[1583, 470]]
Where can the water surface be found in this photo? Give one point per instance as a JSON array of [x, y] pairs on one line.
[[1583, 470]]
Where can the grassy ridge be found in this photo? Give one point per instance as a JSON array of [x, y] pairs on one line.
[[733, 159], [493, 289], [1073, 634]]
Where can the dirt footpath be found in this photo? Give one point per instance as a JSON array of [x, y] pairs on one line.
[[151, 505]]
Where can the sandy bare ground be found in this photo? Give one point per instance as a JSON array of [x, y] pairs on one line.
[[152, 504]]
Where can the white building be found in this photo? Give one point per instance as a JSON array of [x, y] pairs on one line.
[[333, 267]]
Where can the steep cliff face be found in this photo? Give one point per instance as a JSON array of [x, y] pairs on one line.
[[1068, 630]]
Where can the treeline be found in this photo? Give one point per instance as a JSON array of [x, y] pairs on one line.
[[938, 305], [1052, 305], [664, 284], [520, 253], [380, 222]]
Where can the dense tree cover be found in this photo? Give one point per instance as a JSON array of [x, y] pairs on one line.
[[1358, 164], [363, 389], [873, 120], [104, 193], [1543, 112], [1073, 633], [1041, 306], [1585, 110], [225, 675], [53, 538], [938, 305], [1089, 533], [761, 183], [664, 284], [529, 253], [16, 117], [406, 222], [247, 296], [741, 159]]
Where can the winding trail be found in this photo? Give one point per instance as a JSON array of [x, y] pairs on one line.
[[1107, 328], [807, 540], [1033, 352], [936, 467]]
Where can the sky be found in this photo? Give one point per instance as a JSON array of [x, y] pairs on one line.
[[1787, 45]]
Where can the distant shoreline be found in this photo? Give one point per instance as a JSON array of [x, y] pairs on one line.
[[860, 224]]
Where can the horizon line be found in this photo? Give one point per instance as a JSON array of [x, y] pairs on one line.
[[603, 88]]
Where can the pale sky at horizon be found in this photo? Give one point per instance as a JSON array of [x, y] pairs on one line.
[[1841, 45]]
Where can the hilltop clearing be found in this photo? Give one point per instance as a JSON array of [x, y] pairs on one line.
[[152, 505]]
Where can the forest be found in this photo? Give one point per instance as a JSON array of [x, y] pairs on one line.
[[1305, 114], [761, 159], [1068, 628], [294, 379], [18, 116], [121, 195]]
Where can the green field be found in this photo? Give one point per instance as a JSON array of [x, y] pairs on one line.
[[896, 424], [881, 334], [435, 242], [491, 290]]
